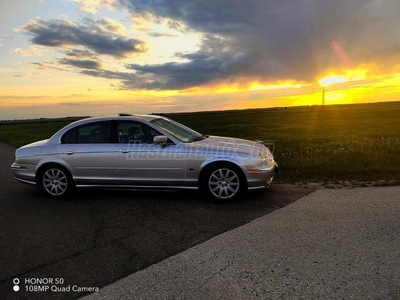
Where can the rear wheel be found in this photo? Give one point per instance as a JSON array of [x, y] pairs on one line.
[[223, 183], [55, 181]]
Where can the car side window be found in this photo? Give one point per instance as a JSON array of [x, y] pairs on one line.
[[93, 133], [69, 137], [135, 132]]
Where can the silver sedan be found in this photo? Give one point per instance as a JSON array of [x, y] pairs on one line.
[[143, 151]]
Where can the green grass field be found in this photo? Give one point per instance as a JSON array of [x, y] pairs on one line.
[[330, 144]]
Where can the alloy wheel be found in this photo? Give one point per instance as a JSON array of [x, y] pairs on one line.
[[224, 183], [55, 182]]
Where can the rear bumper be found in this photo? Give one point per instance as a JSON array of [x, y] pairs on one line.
[[24, 173]]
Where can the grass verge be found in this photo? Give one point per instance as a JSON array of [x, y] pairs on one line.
[[341, 143]]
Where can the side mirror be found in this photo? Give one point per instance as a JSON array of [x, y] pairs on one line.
[[160, 140]]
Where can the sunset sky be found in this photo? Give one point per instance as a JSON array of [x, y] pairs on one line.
[[95, 57]]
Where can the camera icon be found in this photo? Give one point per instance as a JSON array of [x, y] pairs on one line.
[[16, 281]]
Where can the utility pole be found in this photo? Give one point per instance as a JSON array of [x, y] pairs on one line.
[[323, 96]]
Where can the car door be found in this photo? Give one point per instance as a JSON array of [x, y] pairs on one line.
[[88, 151], [140, 162]]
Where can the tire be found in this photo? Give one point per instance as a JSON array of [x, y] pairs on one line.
[[224, 183], [55, 181]]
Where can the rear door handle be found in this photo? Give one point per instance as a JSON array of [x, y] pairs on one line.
[[123, 150], [69, 152]]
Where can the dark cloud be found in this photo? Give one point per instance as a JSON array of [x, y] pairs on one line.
[[83, 64], [109, 74], [273, 39], [128, 80], [79, 53], [48, 65], [158, 34], [200, 69], [59, 33]]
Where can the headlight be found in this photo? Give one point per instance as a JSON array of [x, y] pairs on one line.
[[263, 160], [268, 157]]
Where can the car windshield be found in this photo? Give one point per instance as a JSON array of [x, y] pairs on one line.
[[177, 130]]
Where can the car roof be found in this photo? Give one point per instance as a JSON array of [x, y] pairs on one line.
[[121, 116]]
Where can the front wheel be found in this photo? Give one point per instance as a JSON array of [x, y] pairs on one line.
[[223, 183], [55, 182]]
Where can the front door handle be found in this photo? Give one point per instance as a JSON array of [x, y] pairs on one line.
[[69, 152], [123, 150]]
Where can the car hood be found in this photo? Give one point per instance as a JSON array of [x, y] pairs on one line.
[[218, 143]]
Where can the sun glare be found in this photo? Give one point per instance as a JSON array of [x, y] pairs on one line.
[[349, 75], [332, 80]]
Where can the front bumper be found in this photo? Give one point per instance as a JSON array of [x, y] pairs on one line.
[[262, 177]]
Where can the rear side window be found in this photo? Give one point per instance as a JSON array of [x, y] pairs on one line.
[[69, 137], [93, 133]]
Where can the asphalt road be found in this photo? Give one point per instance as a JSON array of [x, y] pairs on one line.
[[331, 244], [96, 237]]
